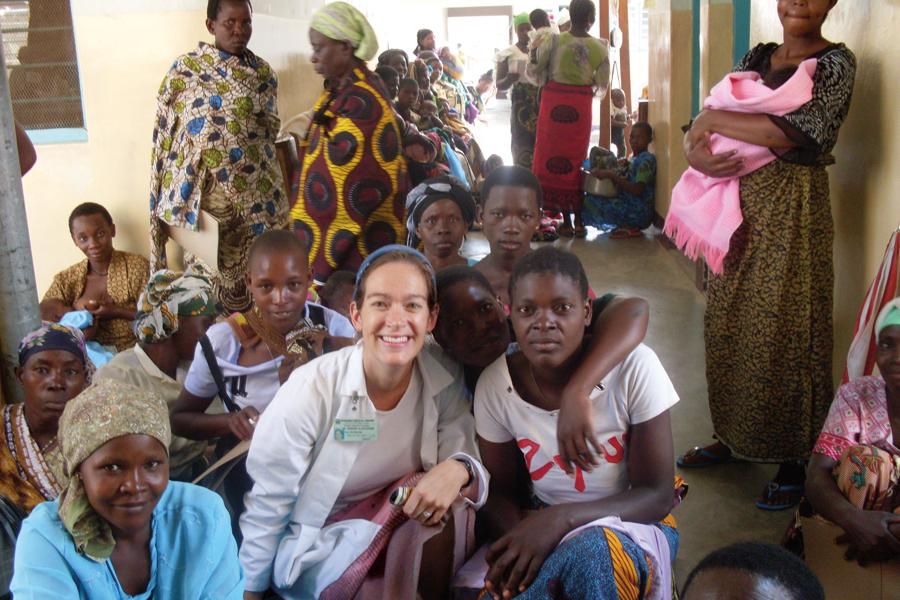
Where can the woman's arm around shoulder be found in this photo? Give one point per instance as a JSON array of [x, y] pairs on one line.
[[615, 334]]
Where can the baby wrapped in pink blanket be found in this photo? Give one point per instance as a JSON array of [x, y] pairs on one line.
[[706, 211]]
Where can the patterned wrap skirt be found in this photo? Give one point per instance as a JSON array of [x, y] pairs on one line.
[[525, 102], [563, 134], [768, 325]]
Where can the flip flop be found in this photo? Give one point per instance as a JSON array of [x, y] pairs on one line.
[[566, 230], [792, 494], [708, 458]]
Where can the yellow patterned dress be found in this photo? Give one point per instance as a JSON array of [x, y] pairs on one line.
[[353, 183], [214, 150], [126, 279]]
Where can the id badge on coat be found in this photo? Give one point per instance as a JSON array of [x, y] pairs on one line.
[[361, 427]]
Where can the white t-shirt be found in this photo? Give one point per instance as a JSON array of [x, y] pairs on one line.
[[635, 391], [248, 386], [394, 454]]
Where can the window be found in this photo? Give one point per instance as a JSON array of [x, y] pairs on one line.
[[42, 67]]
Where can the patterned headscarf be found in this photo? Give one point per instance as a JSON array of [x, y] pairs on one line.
[[430, 191], [342, 22], [103, 412], [55, 336], [889, 315], [170, 295]]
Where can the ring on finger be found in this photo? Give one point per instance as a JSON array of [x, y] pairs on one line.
[[426, 515]]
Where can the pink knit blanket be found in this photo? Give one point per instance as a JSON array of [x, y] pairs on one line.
[[706, 211]]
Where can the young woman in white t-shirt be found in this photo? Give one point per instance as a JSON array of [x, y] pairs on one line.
[[621, 501], [350, 428]]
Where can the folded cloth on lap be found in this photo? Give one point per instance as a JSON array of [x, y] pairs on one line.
[[706, 211]]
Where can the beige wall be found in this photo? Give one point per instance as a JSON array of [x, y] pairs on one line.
[[865, 182], [123, 54], [670, 90], [716, 39]]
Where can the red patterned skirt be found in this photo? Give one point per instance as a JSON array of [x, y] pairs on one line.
[[563, 134]]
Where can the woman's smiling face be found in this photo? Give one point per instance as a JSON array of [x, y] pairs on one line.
[[394, 315], [802, 18]]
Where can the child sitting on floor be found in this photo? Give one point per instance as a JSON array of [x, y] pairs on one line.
[[107, 283], [634, 207]]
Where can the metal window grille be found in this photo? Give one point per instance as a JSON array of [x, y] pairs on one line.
[[39, 45]]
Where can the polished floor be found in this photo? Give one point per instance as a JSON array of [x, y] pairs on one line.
[[719, 508]]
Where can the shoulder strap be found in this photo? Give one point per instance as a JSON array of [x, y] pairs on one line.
[[317, 315], [216, 373]]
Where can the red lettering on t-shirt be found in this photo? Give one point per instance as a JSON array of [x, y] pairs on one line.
[[579, 475], [618, 454], [532, 448]]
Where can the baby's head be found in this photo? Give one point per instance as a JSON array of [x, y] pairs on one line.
[[618, 98], [92, 229], [492, 162], [407, 94], [777, 78], [337, 293], [511, 210], [427, 108], [539, 18], [391, 80]]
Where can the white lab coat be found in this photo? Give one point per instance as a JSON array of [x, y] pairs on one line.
[[299, 468]]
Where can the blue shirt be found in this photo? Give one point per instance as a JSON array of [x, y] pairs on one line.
[[193, 555]]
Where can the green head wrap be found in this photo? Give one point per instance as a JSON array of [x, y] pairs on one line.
[[519, 19], [106, 410], [170, 295], [889, 315], [344, 23]]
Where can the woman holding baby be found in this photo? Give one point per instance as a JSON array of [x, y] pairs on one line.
[[769, 314]]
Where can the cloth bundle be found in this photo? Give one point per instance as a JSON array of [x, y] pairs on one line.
[[706, 211]]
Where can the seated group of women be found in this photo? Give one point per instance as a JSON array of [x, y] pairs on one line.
[[374, 456]]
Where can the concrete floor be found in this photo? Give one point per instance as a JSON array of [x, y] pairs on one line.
[[719, 508]]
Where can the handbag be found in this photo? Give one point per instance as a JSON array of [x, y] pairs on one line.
[[11, 518]]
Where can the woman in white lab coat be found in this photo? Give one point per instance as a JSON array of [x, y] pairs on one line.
[[350, 428]]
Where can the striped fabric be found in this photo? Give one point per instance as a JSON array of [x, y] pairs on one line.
[[861, 357]]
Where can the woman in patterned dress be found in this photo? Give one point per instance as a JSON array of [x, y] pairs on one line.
[[53, 369], [769, 315], [353, 181], [214, 149], [524, 96]]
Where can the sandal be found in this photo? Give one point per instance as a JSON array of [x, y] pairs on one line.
[[545, 235], [566, 230], [624, 234], [580, 231], [780, 496], [704, 456]]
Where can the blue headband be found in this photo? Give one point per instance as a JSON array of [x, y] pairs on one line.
[[386, 250]]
